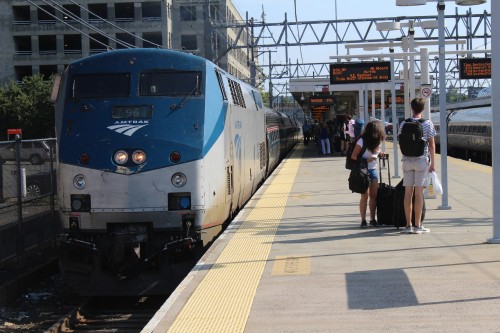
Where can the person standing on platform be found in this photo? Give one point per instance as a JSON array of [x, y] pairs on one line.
[[350, 129], [306, 129], [324, 137], [416, 169], [344, 137], [371, 138]]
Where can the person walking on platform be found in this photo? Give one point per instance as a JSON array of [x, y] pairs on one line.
[[417, 163], [371, 138], [324, 137]]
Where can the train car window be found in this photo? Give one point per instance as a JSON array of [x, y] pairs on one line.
[[170, 84], [101, 85], [221, 85], [258, 99]]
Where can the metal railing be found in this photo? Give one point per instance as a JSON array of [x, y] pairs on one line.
[[27, 194]]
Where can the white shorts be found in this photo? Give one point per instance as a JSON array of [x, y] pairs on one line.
[[415, 171]]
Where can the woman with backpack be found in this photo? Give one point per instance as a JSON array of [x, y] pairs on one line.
[[368, 148]]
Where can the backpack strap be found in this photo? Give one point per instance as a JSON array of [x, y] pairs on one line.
[[420, 120], [363, 149]]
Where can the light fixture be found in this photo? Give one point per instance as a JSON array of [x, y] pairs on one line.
[[424, 2], [469, 2], [388, 26], [302, 98]]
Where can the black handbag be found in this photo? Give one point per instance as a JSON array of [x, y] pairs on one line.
[[358, 178]]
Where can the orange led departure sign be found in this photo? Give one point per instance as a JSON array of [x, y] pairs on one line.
[[475, 68], [360, 72]]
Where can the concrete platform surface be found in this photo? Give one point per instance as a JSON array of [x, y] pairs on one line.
[[295, 260]]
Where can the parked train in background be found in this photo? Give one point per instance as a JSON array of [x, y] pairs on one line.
[[468, 134], [157, 150]]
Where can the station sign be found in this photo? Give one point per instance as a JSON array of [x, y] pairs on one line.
[[14, 131], [360, 72], [475, 68], [318, 111], [321, 100]]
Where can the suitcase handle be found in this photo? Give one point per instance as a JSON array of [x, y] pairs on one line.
[[380, 161]]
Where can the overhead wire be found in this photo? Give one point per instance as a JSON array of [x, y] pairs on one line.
[[112, 24], [67, 12], [66, 23]]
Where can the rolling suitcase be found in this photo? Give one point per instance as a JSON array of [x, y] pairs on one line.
[[398, 214], [385, 195]]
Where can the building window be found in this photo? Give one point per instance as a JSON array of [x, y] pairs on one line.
[[47, 71], [151, 11], [47, 44], [46, 14], [72, 44], [98, 43], [98, 12], [21, 14], [124, 12], [127, 41], [71, 13], [188, 13], [188, 42], [22, 71], [151, 39], [22, 45]]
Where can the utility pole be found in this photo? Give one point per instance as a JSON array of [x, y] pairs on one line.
[[207, 41]]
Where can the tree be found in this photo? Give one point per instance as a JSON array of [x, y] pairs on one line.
[[27, 105]]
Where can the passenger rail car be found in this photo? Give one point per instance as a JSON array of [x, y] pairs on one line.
[[157, 149], [468, 133]]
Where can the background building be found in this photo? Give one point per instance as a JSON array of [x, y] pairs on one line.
[[44, 36], [195, 33]]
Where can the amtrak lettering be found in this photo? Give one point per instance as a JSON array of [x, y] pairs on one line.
[[128, 127]]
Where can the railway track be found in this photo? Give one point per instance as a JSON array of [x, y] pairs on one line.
[[110, 314]]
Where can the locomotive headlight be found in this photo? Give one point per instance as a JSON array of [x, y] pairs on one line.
[[179, 179], [120, 157], [139, 157], [80, 181]]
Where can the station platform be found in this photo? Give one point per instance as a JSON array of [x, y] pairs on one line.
[[296, 260]]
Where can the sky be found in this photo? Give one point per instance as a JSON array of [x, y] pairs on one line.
[[312, 10], [346, 9]]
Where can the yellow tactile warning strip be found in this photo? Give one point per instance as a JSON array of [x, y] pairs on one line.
[[222, 301]]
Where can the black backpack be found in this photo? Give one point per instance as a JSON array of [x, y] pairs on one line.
[[349, 162], [411, 139]]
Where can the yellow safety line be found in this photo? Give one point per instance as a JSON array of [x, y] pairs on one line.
[[222, 301]]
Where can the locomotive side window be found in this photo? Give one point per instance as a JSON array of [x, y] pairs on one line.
[[101, 85], [236, 93], [170, 84], [221, 85], [258, 99]]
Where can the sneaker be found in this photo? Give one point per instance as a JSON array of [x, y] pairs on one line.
[[407, 230], [421, 230], [363, 224]]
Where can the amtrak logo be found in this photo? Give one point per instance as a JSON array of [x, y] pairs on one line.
[[128, 127]]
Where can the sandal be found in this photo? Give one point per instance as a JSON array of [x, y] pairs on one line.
[[363, 224]]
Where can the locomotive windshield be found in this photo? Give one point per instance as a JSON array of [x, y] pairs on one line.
[[101, 85], [170, 84]]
